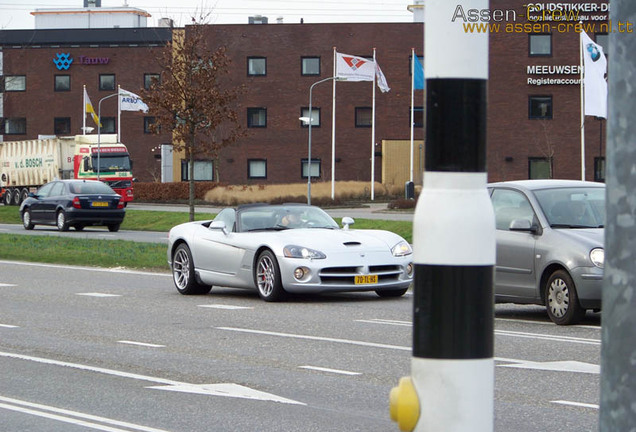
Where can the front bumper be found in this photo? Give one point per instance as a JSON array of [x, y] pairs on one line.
[[589, 286]]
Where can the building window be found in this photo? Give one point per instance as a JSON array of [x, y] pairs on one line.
[[540, 45], [539, 168], [363, 116], [149, 79], [15, 83], [315, 117], [418, 116], [603, 40], [315, 167], [310, 66], [107, 82], [148, 122], [256, 66], [599, 169], [62, 125], [15, 126], [257, 117], [257, 168], [203, 170], [62, 83], [108, 125], [540, 107]]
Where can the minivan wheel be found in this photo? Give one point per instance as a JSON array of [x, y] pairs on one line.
[[561, 300]]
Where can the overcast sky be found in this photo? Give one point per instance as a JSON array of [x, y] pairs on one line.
[[15, 14]]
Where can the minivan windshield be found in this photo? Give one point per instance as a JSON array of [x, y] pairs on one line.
[[573, 207]]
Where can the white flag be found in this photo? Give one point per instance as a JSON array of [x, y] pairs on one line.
[[131, 102], [382, 84], [352, 68], [594, 83]]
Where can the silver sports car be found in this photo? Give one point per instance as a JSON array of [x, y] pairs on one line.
[[293, 248]]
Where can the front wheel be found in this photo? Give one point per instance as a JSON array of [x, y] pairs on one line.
[[62, 225], [26, 219], [561, 300], [267, 277], [183, 273]]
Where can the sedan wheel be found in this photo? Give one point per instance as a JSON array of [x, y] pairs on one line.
[[183, 273], [267, 277], [26, 219], [562, 302], [62, 225]]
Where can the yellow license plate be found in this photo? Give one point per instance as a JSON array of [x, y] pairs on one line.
[[100, 204], [366, 279]]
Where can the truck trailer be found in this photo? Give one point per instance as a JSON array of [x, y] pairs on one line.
[[27, 165]]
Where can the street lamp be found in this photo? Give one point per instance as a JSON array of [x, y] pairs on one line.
[[99, 128], [308, 120]]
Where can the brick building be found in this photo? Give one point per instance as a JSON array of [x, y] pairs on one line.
[[533, 130]]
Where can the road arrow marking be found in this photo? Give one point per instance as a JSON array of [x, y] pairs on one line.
[[143, 344], [98, 295], [226, 307], [335, 371], [559, 366], [227, 390], [577, 404]]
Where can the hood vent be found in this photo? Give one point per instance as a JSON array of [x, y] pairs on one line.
[[352, 243]]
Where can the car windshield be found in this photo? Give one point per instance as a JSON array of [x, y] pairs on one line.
[[93, 187], [283, 217], [573, 207]]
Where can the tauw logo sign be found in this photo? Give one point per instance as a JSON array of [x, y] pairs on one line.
[[63, 61]]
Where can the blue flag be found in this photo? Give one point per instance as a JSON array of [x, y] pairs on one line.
[[418, 74]]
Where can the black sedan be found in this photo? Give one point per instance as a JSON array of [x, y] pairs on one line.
[[76, 203]]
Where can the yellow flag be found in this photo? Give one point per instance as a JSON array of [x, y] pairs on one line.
[[89, 109]]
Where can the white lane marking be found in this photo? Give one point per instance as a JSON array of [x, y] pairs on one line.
[[93, 269], [111, 372], [98, 295], [387, 322], [8, 326], [143, 344], [548, 337], [577, 404], [41, 411], [227, 390], [316, 338], [546, 323], [335, 371], [226, 307], [7, 285], [558, 366]]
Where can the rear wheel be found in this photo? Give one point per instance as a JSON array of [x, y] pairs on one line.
[[267, 277], [60, 219], [26, 219], [6, 199], [24, 194], [391, 293], [15, 197], [78, 227], [113, 227], [561, 300], [183, 273]]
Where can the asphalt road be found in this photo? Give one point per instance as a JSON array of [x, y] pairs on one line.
[[89, 349]]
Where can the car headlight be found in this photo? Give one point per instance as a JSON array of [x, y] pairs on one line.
[[293, 251], [598, 257], [401, 249]]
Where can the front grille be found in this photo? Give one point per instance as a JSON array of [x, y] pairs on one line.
[[346, 275]]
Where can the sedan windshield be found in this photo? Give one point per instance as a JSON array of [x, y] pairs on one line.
[[283, 217], [573, 207]]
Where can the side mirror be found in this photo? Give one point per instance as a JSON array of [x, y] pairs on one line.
[[219, 225], [523, 225], [346, 221]]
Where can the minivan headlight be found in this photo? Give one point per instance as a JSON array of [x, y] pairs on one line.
[[598, 257]]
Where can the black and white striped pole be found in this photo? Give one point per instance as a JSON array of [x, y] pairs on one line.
[[451, 387]]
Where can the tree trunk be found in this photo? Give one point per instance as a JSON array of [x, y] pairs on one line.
[[191, 179]]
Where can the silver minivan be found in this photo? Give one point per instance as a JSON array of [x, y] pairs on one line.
[[550, 236]]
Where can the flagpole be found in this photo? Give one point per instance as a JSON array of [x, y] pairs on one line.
[[333, 131], [118, 113], [582, 109], [84, 111], [412, 107], [373, 133]]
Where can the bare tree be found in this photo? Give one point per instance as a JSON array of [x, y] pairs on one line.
[[191, 101], [543, 142]]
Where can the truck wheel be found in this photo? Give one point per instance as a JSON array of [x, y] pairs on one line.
[[62, 225], [26, 220], [15, 197], [6, 199], [24, 193]]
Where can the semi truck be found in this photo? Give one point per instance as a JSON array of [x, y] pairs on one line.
[[27, 165]]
